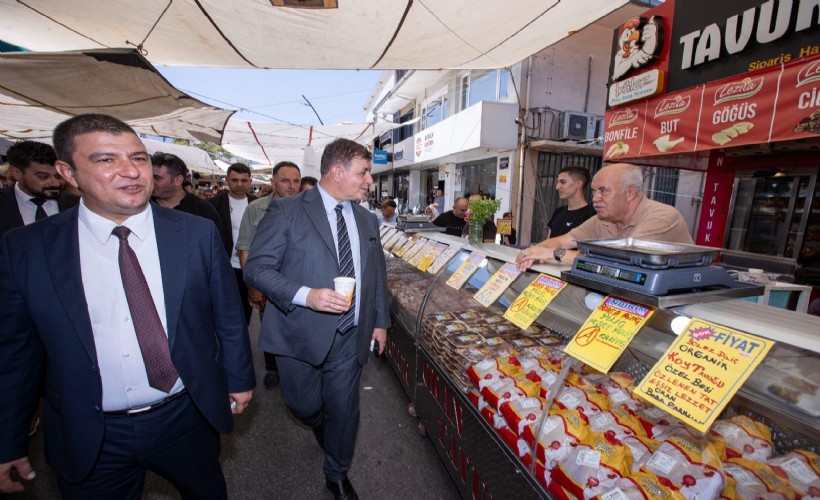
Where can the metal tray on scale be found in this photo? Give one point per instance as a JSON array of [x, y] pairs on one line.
[[649, 254]]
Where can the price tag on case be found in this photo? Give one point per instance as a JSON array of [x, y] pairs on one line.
[[442, 259], [427, 260], [400, 249], [701, 371], [607, 332], [416, 248], [533, 300], [496, 285], [394, 240], [386, 235], [425, 250], [465, 270]]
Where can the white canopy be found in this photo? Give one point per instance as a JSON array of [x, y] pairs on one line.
[[353, 34], [195, 159], [40, 90]]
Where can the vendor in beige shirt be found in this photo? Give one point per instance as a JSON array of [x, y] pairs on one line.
[[622, 212]]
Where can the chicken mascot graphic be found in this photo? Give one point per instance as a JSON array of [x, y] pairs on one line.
[[638, 43]]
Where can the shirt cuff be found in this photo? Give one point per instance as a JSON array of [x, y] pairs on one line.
[[300, 299]]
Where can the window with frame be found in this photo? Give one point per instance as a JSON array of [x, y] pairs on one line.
[[483, 85], [434, 111]]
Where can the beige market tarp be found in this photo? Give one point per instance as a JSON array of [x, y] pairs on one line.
[[38, 90], [195, 159], [357, 34]]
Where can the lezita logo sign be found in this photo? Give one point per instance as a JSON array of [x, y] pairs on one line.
[[809, 74], [673, 106], [742, 89], [623, 117]]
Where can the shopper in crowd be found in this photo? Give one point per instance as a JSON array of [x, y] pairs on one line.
[[113, 298], [38, 189], [285, 181], [265, 190], [322, 340], [187, 186], [230, 206], [438, 199], [431, 211], [453, 220], [388, 212], [488, 228], [308, 182], [571, 184], [169, 176], [622, 211], [6, 180]]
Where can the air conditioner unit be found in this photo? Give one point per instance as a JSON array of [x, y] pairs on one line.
[[575, 126]]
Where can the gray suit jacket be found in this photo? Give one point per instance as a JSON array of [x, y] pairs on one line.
[[294, 247]]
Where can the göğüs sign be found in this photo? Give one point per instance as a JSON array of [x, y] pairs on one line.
[[712, 39]]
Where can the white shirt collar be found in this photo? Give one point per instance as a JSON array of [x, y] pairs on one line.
[[329, 201], [101, 228], [25, 197]]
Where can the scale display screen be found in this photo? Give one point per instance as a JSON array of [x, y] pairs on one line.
[[611, 272]]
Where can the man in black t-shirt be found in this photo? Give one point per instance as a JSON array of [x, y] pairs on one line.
[[572, 182], [453, 221], [169, 176]]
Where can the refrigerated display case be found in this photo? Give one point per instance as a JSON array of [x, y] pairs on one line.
[[775, 223], [442, 332]]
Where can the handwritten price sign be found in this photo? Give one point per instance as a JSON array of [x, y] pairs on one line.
[[465, 270], [496, 285], [442, 259], [701, 371], [533, 300], [607, 331]]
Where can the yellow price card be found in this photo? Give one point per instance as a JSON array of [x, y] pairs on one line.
[[496, 285], [425, 250], [401, 249], [416, 248], [607, 332], [437, 249], [503, 226], [465, 270], [533, 300], [393, 240], [701, 372], [443, 258]]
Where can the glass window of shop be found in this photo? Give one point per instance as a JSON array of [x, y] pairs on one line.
[[434, 111], [401, 188], [484, 85], [476, 177]]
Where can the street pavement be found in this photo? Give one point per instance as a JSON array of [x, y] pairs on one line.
[[270, 455]]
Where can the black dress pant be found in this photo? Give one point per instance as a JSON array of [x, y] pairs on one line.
[[243, 294]]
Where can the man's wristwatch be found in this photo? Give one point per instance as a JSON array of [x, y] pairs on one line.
[[559, 253]]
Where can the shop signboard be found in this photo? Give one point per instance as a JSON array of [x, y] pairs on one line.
[[671, 122], [798, 102], [624, 131], [379, 157]]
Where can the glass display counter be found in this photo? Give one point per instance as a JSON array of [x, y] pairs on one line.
[[446, 348]]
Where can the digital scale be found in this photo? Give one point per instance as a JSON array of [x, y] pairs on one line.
[[417, 223], [654, 272]]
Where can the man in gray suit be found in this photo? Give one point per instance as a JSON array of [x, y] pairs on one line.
[[320, 340]]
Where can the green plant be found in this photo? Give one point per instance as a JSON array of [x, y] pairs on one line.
[[481, 210]]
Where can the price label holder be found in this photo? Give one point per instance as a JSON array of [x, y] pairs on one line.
[[533, 300], [394, 240], [424, 263], [425, 250], [496, 285], [383, 229], [401, 249], [413, 250], [442, 259], [607, 332], [701, 371], [465, 270], [386, 235]]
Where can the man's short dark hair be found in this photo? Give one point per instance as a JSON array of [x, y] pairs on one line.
[[307, 181], [577, 174], [21, 153], [389, 203], [172, 163], [342, 151], [239, 168], [65, 132], [281, 164]]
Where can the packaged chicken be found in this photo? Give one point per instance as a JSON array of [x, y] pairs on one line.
[[803, 470], [596, 462], [559, 434], [641, 448], [485, 373], [522, 413], [652, 417], [755, 480], [586, 400], [616, 423], [744, 438], [636, 486], [501, 391], [691, 466]]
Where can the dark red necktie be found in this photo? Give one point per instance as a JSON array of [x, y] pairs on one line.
[[40, 213], [151, 336]]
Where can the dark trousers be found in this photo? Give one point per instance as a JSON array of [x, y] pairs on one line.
[[174, 441], [327, 395], [243, 294], [270, 358]]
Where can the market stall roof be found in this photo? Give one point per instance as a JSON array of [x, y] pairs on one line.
[[40, 90], [389, 34], [195, 159]]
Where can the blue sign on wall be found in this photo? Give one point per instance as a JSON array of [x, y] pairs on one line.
[[380, 157]]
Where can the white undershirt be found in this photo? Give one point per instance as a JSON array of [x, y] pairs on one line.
[[237, 210], [124, 381]]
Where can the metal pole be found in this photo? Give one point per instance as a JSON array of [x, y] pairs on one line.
[[314, 109]]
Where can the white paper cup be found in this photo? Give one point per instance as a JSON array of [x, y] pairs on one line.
[[345, 286]]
